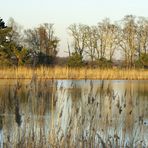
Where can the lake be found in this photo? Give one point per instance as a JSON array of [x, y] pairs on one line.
[[73, 113]]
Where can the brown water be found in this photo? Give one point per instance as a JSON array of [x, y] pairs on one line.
[[73, 113]]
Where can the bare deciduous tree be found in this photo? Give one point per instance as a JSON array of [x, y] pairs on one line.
[[42, 39], [91, 42], [129, 39], [142, 35], [108, 38], [16, 33], [79, 36]]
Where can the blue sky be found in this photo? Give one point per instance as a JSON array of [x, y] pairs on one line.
[[62, 13]]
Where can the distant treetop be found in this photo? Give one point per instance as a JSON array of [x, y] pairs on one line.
[[2, 24]]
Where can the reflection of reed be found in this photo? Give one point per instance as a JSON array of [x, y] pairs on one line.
[[48, 115], [1, 122]]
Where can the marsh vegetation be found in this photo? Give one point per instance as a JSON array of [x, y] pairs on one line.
[[73, 73], [73, 113]]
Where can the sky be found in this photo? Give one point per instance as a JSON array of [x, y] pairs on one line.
[[31, 13]]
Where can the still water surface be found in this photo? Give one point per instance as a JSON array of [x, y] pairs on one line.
[[73, 113]]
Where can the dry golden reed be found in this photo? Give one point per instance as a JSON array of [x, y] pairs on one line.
[[73, 73]]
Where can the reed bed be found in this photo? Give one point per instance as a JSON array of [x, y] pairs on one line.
[[73, 73], [46, 114]]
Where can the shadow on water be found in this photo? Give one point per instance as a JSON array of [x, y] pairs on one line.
[[73, 113]]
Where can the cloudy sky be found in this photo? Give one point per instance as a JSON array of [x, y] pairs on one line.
[[31, 13]]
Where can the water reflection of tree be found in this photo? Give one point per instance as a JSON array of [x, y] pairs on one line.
[[1, 122], [91, 114]]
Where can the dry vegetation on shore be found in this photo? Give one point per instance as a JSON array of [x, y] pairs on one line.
[[73, 73]]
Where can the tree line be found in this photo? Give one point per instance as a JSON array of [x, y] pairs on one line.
[[28, 47], [99, 45]]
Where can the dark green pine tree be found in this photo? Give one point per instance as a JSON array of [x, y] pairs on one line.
[[2, 24], [6, 45]]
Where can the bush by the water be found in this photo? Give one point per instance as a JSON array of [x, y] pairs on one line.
[[142, 62], [75, 60], [104, 63]]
